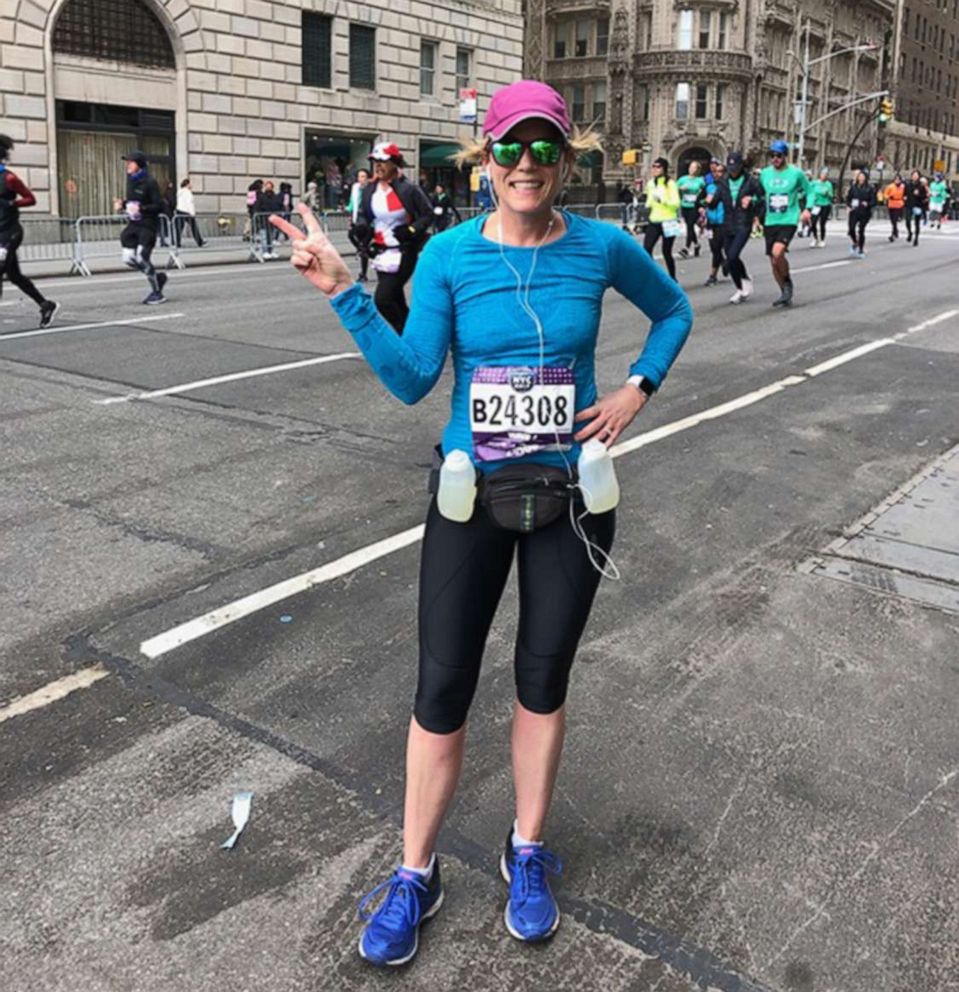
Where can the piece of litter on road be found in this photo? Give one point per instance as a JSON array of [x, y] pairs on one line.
[[286, 618], [241, 814]]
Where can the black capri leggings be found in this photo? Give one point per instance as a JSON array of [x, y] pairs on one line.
[[10, 268], [819, 223], [390, 299], [653, 233], [463, 571]]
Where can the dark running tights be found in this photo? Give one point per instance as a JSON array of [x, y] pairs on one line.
[[653, 233], [691, 217], [733, 244], [819, 223], [857, 231], [463, 571], [389, 297], [11, 270]]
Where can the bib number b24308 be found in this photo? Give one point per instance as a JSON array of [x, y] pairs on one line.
[[518, 410]]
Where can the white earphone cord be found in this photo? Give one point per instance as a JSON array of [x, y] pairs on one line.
[[609, 569]]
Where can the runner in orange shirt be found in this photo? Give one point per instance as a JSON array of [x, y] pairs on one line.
[[895, 197]]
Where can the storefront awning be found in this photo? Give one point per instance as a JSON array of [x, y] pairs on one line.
[[432, 156]]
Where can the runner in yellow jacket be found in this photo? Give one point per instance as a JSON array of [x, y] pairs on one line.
[[662, 199]]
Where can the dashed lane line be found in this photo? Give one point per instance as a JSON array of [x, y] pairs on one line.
[[53, 691], [86, 327], [230, 377]]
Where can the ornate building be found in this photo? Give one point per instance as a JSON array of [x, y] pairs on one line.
[[925, 131], [225, 91], [696, 78]]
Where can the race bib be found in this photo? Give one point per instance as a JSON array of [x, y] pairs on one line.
[[438, 211], [672, 228], [816, 211], [133, 209], [779, 203], [854, 204], [519, 410], [689, 199]]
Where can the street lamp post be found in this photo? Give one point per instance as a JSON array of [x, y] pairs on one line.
[[804, 67]]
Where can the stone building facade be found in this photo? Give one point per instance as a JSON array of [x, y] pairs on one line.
[[925, 131], [225, 91], [696, 78]]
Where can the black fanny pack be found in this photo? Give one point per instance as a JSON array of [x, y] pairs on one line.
[[520, 498]]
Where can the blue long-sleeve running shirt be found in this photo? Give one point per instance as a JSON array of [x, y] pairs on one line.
[[467, 300]]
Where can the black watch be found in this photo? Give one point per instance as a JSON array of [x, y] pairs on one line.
[[642, 384]]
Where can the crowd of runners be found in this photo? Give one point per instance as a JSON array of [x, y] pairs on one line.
[[721, 206]]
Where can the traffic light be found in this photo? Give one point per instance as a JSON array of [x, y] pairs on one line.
[[885, 111], [631, 157]]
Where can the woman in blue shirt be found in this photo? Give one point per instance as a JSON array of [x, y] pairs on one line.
[[516, 297]]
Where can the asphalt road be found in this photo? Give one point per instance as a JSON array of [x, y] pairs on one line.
[[761, 780]]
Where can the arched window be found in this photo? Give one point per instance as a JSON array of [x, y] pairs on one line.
[[113, 30]]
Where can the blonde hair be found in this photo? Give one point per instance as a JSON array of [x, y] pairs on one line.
[[581, 142]]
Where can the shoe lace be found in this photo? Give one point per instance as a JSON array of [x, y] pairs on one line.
[[530, 866], [400, 906]]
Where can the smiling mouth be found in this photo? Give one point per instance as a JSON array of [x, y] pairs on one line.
[[527, 184]]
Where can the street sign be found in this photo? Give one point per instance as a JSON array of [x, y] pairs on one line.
[[468, 106]]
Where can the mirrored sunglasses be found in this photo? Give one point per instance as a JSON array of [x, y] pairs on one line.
[[543, 151]]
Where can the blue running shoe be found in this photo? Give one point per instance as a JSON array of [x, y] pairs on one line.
[[531, 912], [392, 932]]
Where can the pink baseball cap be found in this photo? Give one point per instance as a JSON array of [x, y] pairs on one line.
[[524, 101]]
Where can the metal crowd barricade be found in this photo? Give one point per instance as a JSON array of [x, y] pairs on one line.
[[47, 239], [265, 238], [223, 231], [99, 237]]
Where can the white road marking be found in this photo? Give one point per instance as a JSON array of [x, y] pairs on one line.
[[825, 265], [231, 377], [54, 691], [211, 272], [87, 327], [214, 620], [848, 356], [948, 315], [193, 629]]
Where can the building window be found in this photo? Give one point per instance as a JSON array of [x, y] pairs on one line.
[[642, 102], [720, 98], [560, 42], [682, 101], [723, 31], [427, 68], [317, 37], [582, 38], [705, 23], [113, 30], [645, 31], [362, 57], [578, 103], [684, 41], [463, 68], [702, 99], [599, 102], [602, 36]]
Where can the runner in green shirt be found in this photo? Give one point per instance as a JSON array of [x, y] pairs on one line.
[[691, 188], [938, 194], [823, 194], [784, 185]]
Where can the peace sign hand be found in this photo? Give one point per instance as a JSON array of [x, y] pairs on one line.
[[313, 254]]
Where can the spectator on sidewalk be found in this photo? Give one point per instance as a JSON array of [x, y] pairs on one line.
[[186, 214], [267, 202]]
